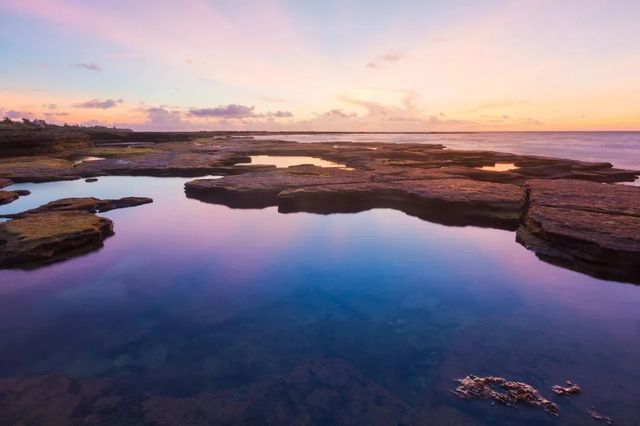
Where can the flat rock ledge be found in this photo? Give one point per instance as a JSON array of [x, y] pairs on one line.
[[427, 193], [584, 226], [7, 197], [87, 204], [57, 231]]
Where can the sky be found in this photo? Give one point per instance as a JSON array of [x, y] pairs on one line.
[[347, 65]]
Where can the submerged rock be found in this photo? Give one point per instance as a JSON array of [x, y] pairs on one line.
[[567, 390], [58, 230], [600, 417], [503, 391], [317, 392], [585, 226]]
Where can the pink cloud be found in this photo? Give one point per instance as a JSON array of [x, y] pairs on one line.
[[99, 104]]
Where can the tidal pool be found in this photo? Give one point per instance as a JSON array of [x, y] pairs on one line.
[[198, 302], [499, 167], [282, 161]]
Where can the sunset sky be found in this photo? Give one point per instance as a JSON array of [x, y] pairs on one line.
[[388, 65]]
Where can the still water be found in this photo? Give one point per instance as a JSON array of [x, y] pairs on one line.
[[190, 301], [622, 149]]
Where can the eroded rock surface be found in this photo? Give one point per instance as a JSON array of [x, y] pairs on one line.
[[428, 181], [429, 194], [58, 230], [87, 204], [7, 197], [590, 227], [568, 389], [47, 237], [503, 391]]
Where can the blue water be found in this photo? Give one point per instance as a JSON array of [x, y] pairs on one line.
[[203, 308]]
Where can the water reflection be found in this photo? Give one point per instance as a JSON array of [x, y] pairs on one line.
[[208, 311], [622, 149], [500, 167], [288, 161], [86, 159]]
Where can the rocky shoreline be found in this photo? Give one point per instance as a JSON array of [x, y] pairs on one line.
[[58, 230], [552, 203]]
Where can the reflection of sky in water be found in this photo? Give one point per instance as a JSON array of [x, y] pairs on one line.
[[282, 161], [499, 167], [86, 159], [206, 291], [622, 149], [634, 183]]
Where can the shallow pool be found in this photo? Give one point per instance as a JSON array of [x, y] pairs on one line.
[[194, 305]]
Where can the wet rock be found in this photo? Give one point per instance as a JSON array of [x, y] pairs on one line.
[[51, 236], [503, 391], [447, 201], [221, 154], [58, 230], [7, 197], [260, 189], [36, 169], [567, 390], [87, 204], [5, 182], [429, 181], [589, 227], [601, 418], [426, 193]]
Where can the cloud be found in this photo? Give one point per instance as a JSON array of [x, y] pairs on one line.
[[91, 66], [337, 114], [99, 104], [281, 114], [231, 111], [163, 118], [237, 112], [16, 115], [404, 115], [224, 117], [55, 116], [387, 57]]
